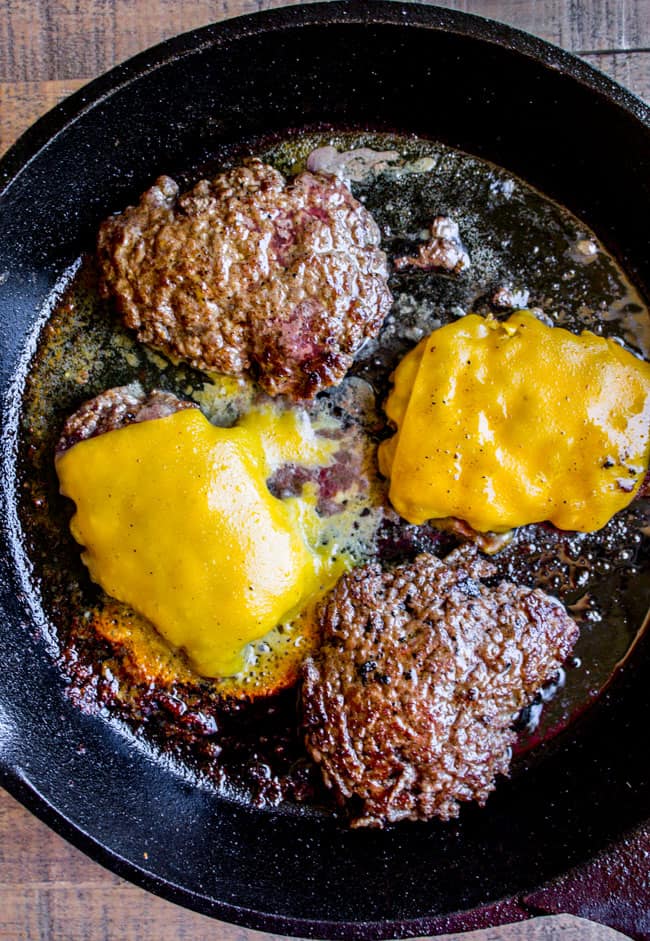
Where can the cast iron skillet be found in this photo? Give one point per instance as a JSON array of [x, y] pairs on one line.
[[470, 83]]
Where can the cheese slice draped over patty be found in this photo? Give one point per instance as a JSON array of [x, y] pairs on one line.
[[506, 423], [176, 520]]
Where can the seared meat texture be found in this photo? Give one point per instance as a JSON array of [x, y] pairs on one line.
[[444, 251], [408, 707], [116, 408], [249, 273]]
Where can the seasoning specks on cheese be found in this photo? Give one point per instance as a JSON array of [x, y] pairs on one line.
[[504, 424]]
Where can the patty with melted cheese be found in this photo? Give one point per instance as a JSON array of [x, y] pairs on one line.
[[176, 521], [502, 424]]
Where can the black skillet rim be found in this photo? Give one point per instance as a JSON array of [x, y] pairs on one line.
[[55, 122]]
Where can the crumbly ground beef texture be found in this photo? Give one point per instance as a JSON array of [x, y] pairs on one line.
[[247, 273], [408, 707], [117, 408]]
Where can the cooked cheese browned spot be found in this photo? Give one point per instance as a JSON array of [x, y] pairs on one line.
[[221, 538]]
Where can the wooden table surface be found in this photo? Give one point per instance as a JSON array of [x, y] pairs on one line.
[[49, 48]]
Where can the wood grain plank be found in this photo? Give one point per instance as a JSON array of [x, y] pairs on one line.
[[631, 69], [50, 891], [577, 25], [55, 913], [21, 103], [42, 40]]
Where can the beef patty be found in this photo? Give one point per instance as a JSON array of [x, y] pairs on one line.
[[408, 707], [116, 408], [248, 273]]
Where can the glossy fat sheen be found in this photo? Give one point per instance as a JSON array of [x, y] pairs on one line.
[[287, 436], [408, 707], [503, 424], [187, 533], [245, 273]]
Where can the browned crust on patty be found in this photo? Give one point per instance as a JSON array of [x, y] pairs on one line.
[[116, 408], [408, 707], [249, 273]]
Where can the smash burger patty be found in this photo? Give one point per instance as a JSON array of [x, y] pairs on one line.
[[249, 273], [116, 408], [409, 704]]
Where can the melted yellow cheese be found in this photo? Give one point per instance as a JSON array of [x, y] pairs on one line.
[[177, 521], [503, 424]]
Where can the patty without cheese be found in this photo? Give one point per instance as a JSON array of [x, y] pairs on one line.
[[409, 705], [249, 273]]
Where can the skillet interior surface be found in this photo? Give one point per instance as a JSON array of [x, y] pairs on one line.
[[172, 109]]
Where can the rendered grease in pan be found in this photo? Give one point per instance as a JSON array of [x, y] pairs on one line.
[[523, 248]]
